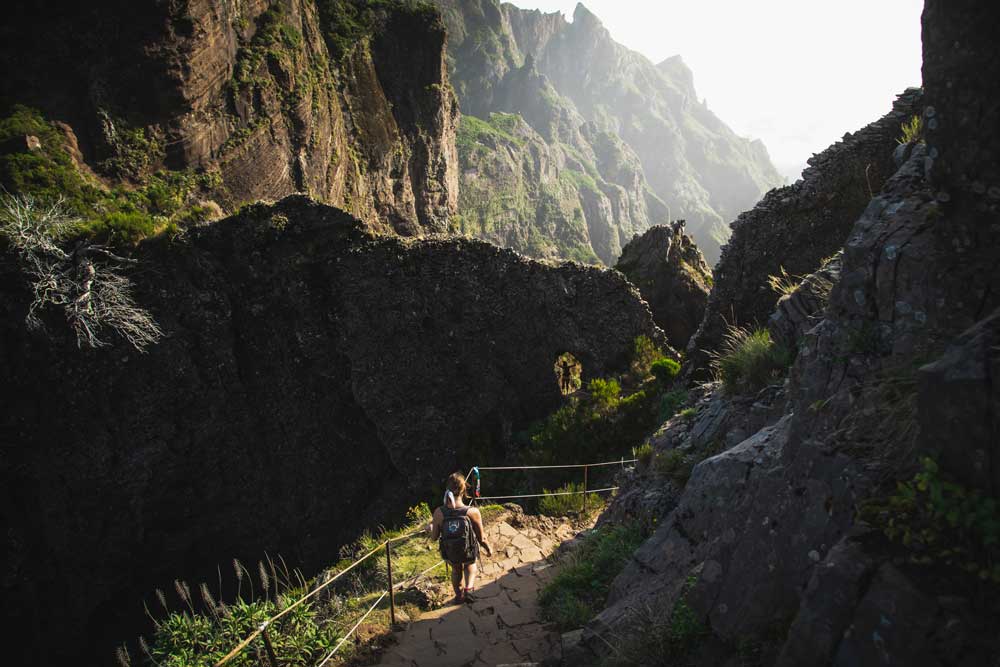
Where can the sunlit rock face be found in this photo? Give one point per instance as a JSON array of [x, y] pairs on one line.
[[559, 74], [253, 93]]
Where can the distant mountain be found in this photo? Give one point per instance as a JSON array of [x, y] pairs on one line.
[[572, 83]]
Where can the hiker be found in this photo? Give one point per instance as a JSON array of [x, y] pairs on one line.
[[459, 531], [567, 377]]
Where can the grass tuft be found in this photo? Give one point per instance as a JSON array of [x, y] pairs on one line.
[[581, 587], [750, 360]]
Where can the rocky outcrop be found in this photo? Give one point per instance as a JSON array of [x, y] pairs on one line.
[[796, 228], [314, 380], [266, 96], [766, 545], [672, 276], [801, 309], [558, 74]]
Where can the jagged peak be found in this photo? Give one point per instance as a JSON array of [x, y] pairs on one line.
[[584, 17]]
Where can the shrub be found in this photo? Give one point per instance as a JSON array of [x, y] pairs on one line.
[[675, 465], [913, 131], [643, 455], [664, 639], [566, 505], [581, 587], [644, 354], [671, 402], [604, 394], [940, 521], [665, 370], [750, 360]]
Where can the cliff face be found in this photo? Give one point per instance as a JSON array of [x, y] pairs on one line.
[[672, 276], [796, 228], [314, 380], [578, 74], [773, 544], [270, 97]]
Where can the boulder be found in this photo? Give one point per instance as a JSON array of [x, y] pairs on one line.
[[672, 276]]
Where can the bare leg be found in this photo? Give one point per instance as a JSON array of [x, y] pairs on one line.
[[456, 580], [470, 575]]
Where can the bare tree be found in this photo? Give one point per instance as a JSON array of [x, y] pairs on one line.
[[87, 282]]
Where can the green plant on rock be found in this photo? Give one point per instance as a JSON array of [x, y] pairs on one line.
[[675, 464], [581, 587], [567, 500], [643, 455], [665, 370], [913, 131], [645, 353], [671, 402], [750, 360], [941, 522], [661, 638]]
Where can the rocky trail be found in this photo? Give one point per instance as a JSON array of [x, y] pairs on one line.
[[503, 626]]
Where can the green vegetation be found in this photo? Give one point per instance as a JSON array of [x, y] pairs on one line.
[[134, 149], [675, 465], [581, 587], [163, 204], [347, 22], [663, 639], [941, 522], [665, 370], [671, 402], [204, 628], [500, 128], [646, 354], [568, 505], [643, 455], [913, 131], [750, 360]]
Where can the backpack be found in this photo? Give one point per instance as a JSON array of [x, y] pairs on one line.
[[458, 542]]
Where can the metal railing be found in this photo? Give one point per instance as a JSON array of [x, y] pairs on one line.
[[262, 634]]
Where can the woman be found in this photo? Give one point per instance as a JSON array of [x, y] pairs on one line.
[[459, 531]]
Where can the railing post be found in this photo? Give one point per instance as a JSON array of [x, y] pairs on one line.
[[271, 657], [585, 469], [388, 567]]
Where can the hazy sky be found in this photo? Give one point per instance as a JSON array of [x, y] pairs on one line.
[[797, 74]]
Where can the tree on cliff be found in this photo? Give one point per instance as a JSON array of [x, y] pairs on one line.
[[86, 282]]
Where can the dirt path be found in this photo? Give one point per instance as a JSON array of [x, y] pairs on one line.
[[503, 625]]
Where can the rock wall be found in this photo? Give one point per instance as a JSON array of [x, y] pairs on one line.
[[672, 276], [765, 542], [315, 380], [251, 92], [796, 228]]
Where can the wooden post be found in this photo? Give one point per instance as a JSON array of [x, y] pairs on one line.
[[392, 600], [271, 658], [585, 469]]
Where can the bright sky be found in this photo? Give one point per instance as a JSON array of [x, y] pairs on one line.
[[797, 74]]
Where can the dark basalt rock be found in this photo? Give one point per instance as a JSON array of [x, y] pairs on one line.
[[314, 381], [672, 276], [768, 530], [796, 228]]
